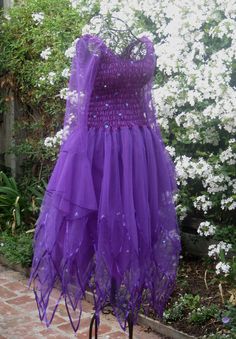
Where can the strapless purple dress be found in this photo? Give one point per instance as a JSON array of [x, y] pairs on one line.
[[108, 222]]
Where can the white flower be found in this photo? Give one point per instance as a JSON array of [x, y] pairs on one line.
[[71, 118], [62, 134], [203, 203], [73, 96], [54, 141], [205, 229], [66, 132], [222, 267], [63, 93], [48, 142], [38, 17], [51, 76], [214, 250], [215, 183], [74, 3], [70, 52], [228, 156], [228, 204], [187, 168], [171, 150], [66, 73], [42, 78], [182, 211], [194, 136], [45, 53]]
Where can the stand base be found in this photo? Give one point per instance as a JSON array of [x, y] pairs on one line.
[[94, 319], [112, 301]]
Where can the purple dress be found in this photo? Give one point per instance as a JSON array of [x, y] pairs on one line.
[[107, 222]]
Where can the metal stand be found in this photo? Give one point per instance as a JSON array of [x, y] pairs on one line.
[[91, 327], [131, 326], [94, 319]]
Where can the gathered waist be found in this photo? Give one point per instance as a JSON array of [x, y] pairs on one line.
[[115, 113]]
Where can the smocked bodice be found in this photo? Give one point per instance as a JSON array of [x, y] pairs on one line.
[[117, 96]]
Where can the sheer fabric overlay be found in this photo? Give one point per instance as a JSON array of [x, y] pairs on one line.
[[107, 222]]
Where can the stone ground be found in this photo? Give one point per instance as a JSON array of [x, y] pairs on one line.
[[19, 315]]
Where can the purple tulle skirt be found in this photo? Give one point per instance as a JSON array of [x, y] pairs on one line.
[[108, 225]]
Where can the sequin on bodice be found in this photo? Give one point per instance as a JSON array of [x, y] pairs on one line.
[[116, 99]]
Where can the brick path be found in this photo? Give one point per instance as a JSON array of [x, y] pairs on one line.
[[19, 315]]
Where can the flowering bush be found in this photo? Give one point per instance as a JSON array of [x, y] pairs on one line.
[[194, 90], [195, 101], [219, 251]]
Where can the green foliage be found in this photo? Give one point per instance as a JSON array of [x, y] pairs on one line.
[[21, 42], [17, 248], [228, 318], [202, 314], [227, 233], [19, 207], [38, 193], [19, 202], [181, 307], [188, 307], [10, 202]]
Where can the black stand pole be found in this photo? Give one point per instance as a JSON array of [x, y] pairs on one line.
[[112, 301], [91, 327], [131, 326]]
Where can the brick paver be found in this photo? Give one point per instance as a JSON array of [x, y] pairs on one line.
[[19, 315]]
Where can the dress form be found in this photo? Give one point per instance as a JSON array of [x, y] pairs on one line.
[[125, 41]]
